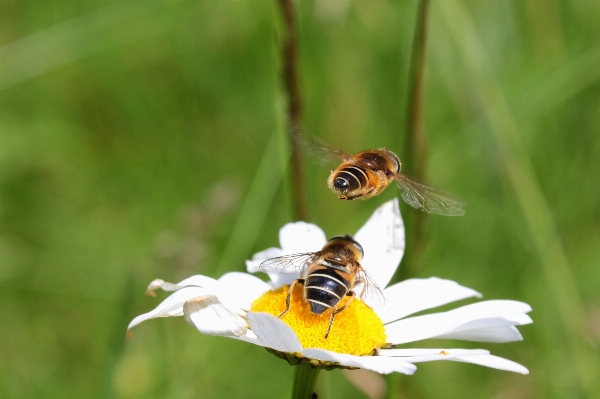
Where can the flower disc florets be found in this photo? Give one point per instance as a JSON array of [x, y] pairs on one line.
[[357, 330]]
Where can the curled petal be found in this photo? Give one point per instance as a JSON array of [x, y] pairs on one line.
[[301, 237], [194, 281], [414, 295], [382, 239], [172, 306], [274, 333], [380, 364], [212, 317]]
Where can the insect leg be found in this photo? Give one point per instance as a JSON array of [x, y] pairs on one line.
[[352, 295], [289, 294]]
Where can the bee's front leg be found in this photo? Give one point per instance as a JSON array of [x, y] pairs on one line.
[[289, 294], [352, 295]]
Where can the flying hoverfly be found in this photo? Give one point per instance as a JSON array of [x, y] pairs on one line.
[[368, 173]]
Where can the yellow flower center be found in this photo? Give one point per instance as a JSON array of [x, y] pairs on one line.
[[356, 330]]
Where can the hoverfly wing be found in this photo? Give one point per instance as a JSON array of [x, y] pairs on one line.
[[429, 199], [289, 263], [326, 152], [319, 150], [369, 292]]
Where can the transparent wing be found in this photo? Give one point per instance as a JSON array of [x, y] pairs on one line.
[[318, 149], [289, 263], [367, 289], [429, 199], [326, 152]]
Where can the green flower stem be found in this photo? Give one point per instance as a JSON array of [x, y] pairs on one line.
[[291, 79], [415, 144], [305, 378]]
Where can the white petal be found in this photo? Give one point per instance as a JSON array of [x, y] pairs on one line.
[[495, 329], [497, 335], [240, 289], [495, 319], [428, 355], [278, 279], [197, 281], [212, 317], [493, 308], [482, 315], [194, 281], [476, 356], [493, 362], [380, 364], [382, 239], [283, 279], [172, 306], [410, 352], [301, 237], [274, 333], [415, 295], [253, 265], [249, 337]]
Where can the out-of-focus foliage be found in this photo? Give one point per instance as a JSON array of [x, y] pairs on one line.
[[145, 139]]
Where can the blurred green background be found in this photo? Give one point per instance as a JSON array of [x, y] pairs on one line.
[[146, 139]]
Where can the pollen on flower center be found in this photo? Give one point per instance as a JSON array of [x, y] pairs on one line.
[[356, 330]]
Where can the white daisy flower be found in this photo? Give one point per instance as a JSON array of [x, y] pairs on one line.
[[243, 307]]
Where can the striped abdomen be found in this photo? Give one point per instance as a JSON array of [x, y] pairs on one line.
[[324, 287], [350, 178]]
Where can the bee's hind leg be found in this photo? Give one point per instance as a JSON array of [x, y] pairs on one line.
[[289, 294], [352, 295]]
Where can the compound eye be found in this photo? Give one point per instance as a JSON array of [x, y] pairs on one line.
[[341, 184], [360, 248]]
